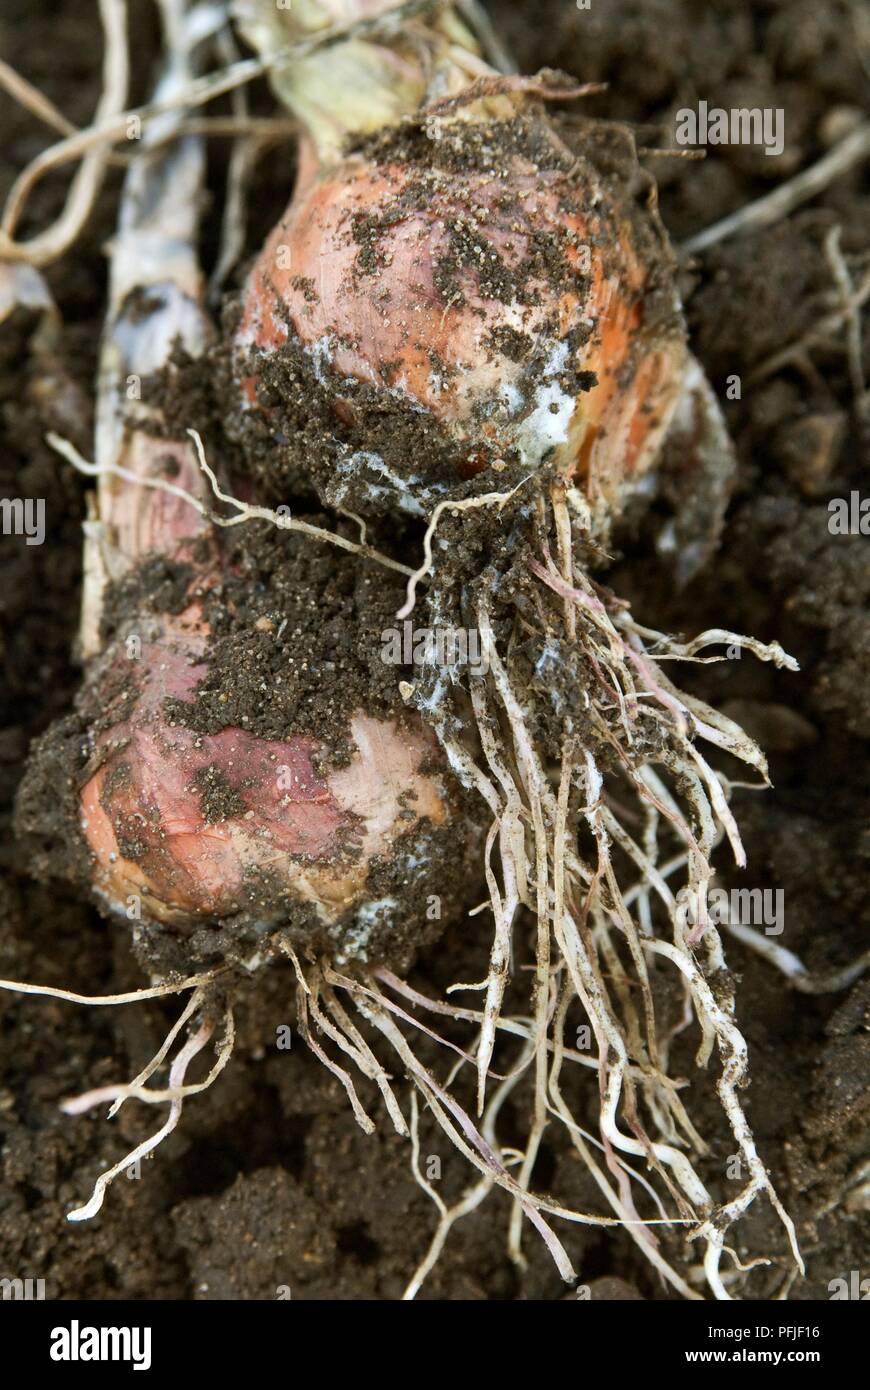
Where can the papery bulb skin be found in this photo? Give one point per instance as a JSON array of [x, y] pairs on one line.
[[205, 826], [486, 284]]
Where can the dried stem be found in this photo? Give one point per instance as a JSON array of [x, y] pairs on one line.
[[50, 244], [773, 207]]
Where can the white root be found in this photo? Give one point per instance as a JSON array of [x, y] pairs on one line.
[[460, 1128], [35, 101], [487, 499], [158, 224], [138, 1082], [518, 1027], [245, 511], [369, 1064], [113, 125], [470, 1200], [614, 1198], [177, 1074], [478, 1145], [177, 1090], [248, 512], [133, 996], [114, 128], [791, 966], [734, 1069], [638, 734], [770, 209], [583, 912], [843, 280], [134, 1090], [305, 998]]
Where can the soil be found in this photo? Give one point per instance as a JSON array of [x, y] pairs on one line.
[[268, 1187]]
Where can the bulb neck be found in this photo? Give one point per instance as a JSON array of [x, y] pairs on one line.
[[360, 65]]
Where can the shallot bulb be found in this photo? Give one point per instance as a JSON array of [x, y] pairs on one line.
[[199, 826], [196, 826], [471, 273]]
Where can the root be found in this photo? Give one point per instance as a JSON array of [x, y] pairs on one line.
[[134, 1090], [487, 499], [851, 299], [133, 996], [112, 123], [478, 1144], [174, 1094], [33, 100], [245, 511], [248, 512], [633, 791], [846, 289], [792, 967], [465, 1136], [109, 131], [625, 727], [469, 1201], [304, 994]]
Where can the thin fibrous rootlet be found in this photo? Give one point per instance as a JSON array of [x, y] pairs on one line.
[[467, 322]]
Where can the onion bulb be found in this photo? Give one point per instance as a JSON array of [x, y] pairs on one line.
[[483, 292]]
